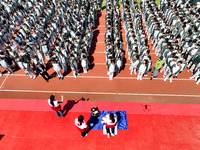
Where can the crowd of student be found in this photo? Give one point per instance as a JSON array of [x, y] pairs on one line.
[[113, 39], [60, 33], [137, 42], [174, 29], [36, 31]]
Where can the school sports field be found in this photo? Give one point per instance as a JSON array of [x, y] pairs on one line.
[[161, 115]]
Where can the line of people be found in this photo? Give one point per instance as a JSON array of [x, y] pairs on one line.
[[113, 39], [174, 29], [34, 32], [137, 42]]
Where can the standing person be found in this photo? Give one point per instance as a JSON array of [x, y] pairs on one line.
[[28, 67], [55, 105], [63, 61], [5, 65], [142, 70], [41, 70], [57, 68], [111, 70], [157, 68], [100, 4], [84, 63], [74, 65], [111, 122], [81, 125]]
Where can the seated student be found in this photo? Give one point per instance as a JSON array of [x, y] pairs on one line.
[[111, 122]]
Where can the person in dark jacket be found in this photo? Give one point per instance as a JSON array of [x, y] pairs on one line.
[[41, 70]]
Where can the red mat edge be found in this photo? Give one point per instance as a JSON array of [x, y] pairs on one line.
[[85, 106]]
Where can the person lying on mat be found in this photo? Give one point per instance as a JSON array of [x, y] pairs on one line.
[[111, 122]]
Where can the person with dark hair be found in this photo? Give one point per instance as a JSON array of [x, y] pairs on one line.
[[157, 67], [111, 70], [41, 70], [55, 105], [111, 122], [81, 125], [142, 69]]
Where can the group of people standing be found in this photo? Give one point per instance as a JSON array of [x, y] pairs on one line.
[[46, 32], [136, 38], [174, 27], [113, 39]]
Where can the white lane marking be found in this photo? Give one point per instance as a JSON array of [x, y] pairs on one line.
[[4, 81], [106, 77], [101, 93]]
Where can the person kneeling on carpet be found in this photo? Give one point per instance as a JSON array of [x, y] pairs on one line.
[[81, 125], [111, 122]]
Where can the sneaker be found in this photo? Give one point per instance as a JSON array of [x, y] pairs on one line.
[[84, 136], [78, 74], [31, 77], [34, 76], [62, 78], [165, 79], [59, 78], [108, 135], [151, 78], [112, 134]]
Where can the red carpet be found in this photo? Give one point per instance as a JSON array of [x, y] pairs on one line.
[[29, 130], [31, 125], [85, 106]]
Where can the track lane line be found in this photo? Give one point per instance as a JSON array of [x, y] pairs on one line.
[[101, 93], [4, 81], [106, 77]]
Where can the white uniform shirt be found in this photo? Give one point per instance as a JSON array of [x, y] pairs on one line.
[[82, 126]]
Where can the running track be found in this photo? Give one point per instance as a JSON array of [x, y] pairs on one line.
[[27, 123]]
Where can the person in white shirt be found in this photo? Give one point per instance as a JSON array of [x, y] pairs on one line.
[[111, 121], [84, 63], [173, 71], [111, 70], [142, 70], [81, 125], [57, 68], [5, 65], [55, 105]]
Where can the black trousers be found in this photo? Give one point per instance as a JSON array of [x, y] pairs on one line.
[[45, 75], [112, 130]]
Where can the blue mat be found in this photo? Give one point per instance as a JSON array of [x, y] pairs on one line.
[[95, 122]]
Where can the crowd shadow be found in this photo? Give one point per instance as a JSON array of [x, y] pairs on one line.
[[70, 104]]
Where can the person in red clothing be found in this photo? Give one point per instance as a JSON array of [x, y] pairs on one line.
[[81, 125], [111, 121], [55, 105]]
